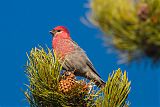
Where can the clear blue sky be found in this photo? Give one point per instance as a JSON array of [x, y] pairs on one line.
[[26, 23]]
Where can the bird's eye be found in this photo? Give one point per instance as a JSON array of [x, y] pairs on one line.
[[58, 30]]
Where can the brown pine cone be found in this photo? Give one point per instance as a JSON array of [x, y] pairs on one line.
[[68, 83], [143, 11]]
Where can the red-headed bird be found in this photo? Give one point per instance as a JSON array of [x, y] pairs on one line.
[[72, 57]]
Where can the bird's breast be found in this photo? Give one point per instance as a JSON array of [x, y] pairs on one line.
[[62, 47]]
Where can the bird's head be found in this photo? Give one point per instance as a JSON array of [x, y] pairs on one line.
[[60, 31]]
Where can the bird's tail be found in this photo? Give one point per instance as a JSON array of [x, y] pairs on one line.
[[100, 83], [96, 78]]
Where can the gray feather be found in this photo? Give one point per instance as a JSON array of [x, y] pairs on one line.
[[78, 61]]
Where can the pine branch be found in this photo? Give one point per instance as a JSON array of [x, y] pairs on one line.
[[132, 26], [50, 88], [115, 92], [43, 71]]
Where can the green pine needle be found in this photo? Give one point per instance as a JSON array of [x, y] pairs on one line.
[[132, 27], [115, 92], [43, 72]]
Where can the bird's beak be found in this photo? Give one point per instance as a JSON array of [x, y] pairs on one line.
[[52, 32]]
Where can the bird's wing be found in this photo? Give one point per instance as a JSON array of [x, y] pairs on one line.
[[92, 67], [88, 62]]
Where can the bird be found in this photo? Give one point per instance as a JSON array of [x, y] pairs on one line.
[[72, 57]]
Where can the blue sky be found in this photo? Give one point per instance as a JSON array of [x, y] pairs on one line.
[[26, 23]]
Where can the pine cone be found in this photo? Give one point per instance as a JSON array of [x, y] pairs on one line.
[[68, 83], [143, 11]]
